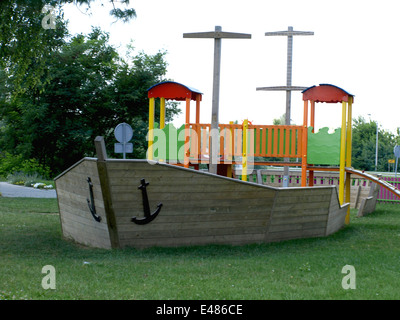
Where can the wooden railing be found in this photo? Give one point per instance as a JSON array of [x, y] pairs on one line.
[[276, 141], [263, 141]]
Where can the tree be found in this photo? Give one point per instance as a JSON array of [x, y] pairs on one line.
[[25, 44], [279, 121], [123, 15], [132, 80], [364, 145], [26, 41], [91, 89]]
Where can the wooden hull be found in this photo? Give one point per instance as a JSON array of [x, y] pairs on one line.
[[197, 208]]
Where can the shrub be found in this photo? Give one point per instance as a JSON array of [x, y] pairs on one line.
[[9, 164], [29, 180]]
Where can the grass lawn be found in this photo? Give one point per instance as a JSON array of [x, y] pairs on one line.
[[30, 238]]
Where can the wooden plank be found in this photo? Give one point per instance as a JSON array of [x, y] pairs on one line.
[[258, 133], [76, 220], [187, 213], [183, 233], [81, 227], [80, 196], [195, 226], [304, 200], [320, 225], [192, 240], [70, 208], [275, 148], [88, 239], [189, 196], [289, 235], [174, 205], [108, 205], [299, 142], [86, 224], [264, 142], [293, 142], [337, 214], [298, 219], [203, 217], [287, 141], [157, 187], [281, 142], [78, 185]]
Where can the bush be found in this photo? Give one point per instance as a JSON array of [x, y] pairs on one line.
[[10, 164], [29, 180]]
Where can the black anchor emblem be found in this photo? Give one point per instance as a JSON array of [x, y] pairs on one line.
[[148, 217], [90, 202]]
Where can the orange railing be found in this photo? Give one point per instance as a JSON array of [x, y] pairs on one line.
[[276, 141], [263, 141]]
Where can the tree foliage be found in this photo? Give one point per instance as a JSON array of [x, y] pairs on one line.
[[90, 90], [57, 95], [364, 145], [123, 15], [25, 43]]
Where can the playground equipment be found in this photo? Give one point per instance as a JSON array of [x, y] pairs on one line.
[[238, 143], [112, 203]]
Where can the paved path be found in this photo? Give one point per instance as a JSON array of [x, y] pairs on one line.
[[10, 190]]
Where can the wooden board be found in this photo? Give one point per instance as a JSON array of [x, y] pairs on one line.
[[337, 214], [77, 222], [197, 207]]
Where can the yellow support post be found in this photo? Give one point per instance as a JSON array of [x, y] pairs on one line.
[[162, 113], [348, 155], [151, 128], [187, 135], [304, 146], [162, 118], [229, 142], [342, 154], [244, 150], [349, 132]]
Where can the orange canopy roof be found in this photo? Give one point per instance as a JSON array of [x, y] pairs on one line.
[[326, 93]]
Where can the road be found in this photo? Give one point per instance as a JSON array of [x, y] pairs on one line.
[[10, 190]]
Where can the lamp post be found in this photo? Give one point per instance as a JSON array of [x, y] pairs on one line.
[[376, 148], [376, 144]]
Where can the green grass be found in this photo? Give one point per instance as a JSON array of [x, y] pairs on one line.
[[30, 238]]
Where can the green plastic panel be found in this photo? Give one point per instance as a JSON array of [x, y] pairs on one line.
[[323, 147]]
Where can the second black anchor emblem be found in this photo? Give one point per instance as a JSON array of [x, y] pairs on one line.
[[148, 216]]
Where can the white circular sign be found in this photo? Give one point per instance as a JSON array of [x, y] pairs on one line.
[[123, 132]]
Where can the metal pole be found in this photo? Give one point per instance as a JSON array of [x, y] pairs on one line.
[[376, 148]]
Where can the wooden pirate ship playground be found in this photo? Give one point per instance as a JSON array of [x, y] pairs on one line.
[[166, 200]]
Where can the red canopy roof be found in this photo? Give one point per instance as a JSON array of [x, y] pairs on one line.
[[326, 93], [173, 91]]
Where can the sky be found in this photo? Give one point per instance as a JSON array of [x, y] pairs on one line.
[[355, 46]]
